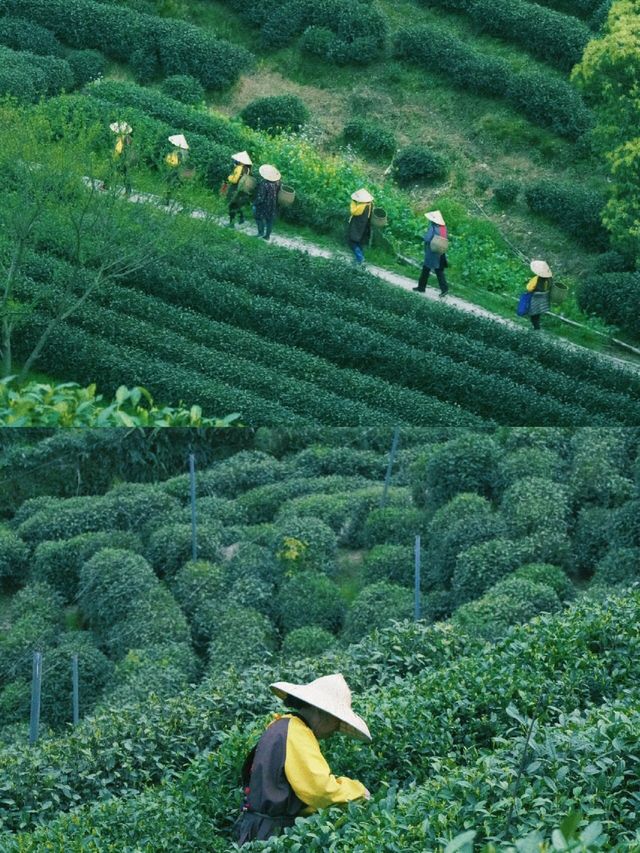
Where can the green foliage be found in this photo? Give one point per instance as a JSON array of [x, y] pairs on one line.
[[309, 641], [86, 65], [13, 557], [276, 113], [321, 460], [375, 606], [240, 472], [392, 563], [170, 546], [591, 538], [393, 525], [548, 575], [507, 191], [464, 464], [28, 77], [618, 566], [176, 47], [164, 669], [304, 544], [35, 620], [184, 88], [242, 636], [533, 505], [481, 566], [58, 562], [370, 138], [600, 472], [614, 297], [21, 34], [323, 604], [197, 584], [418, 163], [541, 462], [576, 210]]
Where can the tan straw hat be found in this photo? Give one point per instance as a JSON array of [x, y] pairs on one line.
[[269, 173], [331, 694], [243, 157], [541, 268], [435, 216], [120, 127], [363, 196], [179, 141]]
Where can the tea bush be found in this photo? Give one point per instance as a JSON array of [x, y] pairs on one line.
[[393, 525], [550, 576], [322, 461], [86, 65], [541, 462], [591, 538], [323, 604], [614, 297], [28, 77], [576, 210], [170, 547], [13, 557], [308, 641], [374, 607], [276, 114], [164, 669], [600, 472], [243, 636], [418, 163], [534, 505], [184, 88], [481, 566], [304, 543], [618, 566], [21, 34], [393, 563], [369, 137]]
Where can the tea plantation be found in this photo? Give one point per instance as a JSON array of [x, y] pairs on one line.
[[508, 710]]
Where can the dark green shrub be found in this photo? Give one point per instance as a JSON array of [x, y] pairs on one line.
[[599, 467], [464, 464], [196, 584], [262, 504], [33, 505], [323, 604], [58, 562], [217, 510], [310, 641], [164, 669], [35, 619], [37, 599], [305, 544], [506, 192], [317, 41], [611, 261], [481, 566], [240, 472], [613, 296], [86, 65], [14, 555], [27, 76], [21, 34], [591, 539], [321, 460], [437, 605], [170, 547], [251, 560], [276, 114], [183, 88], [15, 702], [530, 462], [370, 137], [618, 566], [576, 210], [418, 163], [243, 635], [534, 505], [550, 101], [145, 64], [391, 563], [625, 525], [393, 525], [374, 607], [548, 575]]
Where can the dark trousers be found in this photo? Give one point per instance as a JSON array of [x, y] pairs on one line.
[[535, 320], [424, 277], [265, 224]]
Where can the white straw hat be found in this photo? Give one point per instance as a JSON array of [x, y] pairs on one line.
[[179, 141], [363, 196], [541, 268], [435, 216], [243, 157], [269, 173], [120, 127], [331, 694]]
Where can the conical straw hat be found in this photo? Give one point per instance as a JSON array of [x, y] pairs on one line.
[[243, 157], [269, 173], [179, 141], [120, 127], [362, 196], [435, 216], [541, 268], [331, 694]]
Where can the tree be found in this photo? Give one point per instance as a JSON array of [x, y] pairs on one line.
[[51, 201], [609, 74]]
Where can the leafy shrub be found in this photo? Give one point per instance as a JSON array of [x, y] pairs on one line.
[[37, 599], [618, 566], [305, 544], [145, 64], [262, 503], [374, 607], [506, 192], [15, 702], [591, 539], [464, 464], [13, 557], [170, 547], [465, 520], [533, 505], [437, 604], [321, 460], [370, 137], [243, 635], [309, 641], [391, 563], [481, 566], [550, 101], [576, 210], [198, 586], [611, 261], [58, 562], [541, 462], [598, 468], [183, 88], [254, 561], [613, 296], [323, 604], [625, 524], [548, 575], [276, 114], [242, 471], [27, 76], [393, 525], [35, 618], [163, 669], [86, 65], [418, 163], [21, 34], [212, 510]]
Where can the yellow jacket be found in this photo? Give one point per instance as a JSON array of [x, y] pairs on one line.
[[357, 209], [533, 285], [235, 176]]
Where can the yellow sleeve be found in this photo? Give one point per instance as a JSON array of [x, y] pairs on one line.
[[235, 176], [309, 774], [531, 286]]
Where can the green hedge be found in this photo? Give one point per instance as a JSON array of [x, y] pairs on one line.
[[418, 163], [613, 296], [480, 566], [276, 114], [176, 47], [21, 34], [576, 210], [369, 137], [323, 604], [184, 88], [14, 556], [540, 95], [28, 76], [374, 607], [262, 503]]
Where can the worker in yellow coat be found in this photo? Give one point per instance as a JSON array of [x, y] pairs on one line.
[[173, 161], [286, 776], [123, 154], [359, 229], [239, 185], [540, 289]]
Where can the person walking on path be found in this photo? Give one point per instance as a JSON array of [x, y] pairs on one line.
[[360, 222], [285, 775], [238, 190], [265, 203], [540, 289], [174, 161], [123, 153], [436, 244]]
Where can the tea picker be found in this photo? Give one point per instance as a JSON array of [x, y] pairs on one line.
[[239, 186], [173, 161], [123, 153], [536, 299], [265, 203], [436, 244], [359, 229]]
